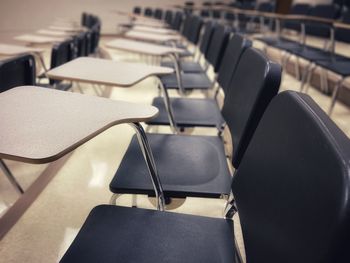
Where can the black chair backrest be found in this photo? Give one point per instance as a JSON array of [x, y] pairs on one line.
[[18, 71], [342, 34], [207, 36], [324, 11], [194, 31], [137, 10], [148, 11], [217, 46], [81, 43], [95, 37], [62, 53], [235, 48], [84, 18], [158, 13], [297, 9], [168, 18], [185, 31], [266, 7], [177, 21], [255, 82], [292, 186], [246, 6]]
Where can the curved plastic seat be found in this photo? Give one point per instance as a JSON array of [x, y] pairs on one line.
[[188, 166], [186, 66], [189, 112], [145, 238], [189, 81]]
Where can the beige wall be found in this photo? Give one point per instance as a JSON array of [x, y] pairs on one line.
[[19, 16]]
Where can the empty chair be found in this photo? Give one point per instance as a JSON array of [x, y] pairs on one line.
[[195, 66], [196, 165], [17, 71], [137, 10], [177, 21], [61, 53], [203, 112], [291, 191], [158, 14], [148, 12], [190, 81], [324, 11], [168, 17]]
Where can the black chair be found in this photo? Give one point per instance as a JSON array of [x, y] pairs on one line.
[[137, 10], [177, 21], [17, 71], [197, 165], [291, 192], [81, 44], [61, 53], [148, 12], [168, 17], [195, 66], [158, 14], [203, 112], [190, 81]]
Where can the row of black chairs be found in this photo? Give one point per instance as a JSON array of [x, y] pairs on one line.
[[21, 70], [277, 184]]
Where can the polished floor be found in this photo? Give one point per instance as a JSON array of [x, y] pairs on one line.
[[48, 227]]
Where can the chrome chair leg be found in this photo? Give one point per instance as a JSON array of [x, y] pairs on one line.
[[335, 95], [10, 177]]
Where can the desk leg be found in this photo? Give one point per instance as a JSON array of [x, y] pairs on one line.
[[151, 165], [10, 177]]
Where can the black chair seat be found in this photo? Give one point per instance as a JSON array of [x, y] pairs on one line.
[[312, 54], [189, 112], [119, 234], [189, 81], [273, 40], [339, 67], [286, 45], [187, 166], [185, 66]]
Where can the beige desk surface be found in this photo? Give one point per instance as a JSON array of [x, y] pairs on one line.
[[142, 47], [151, 36], [154, 30], [54, 33], [37, 39], [12, 50], [40, 125], [68, 28], [106, 72]]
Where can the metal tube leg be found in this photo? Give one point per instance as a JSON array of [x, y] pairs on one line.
[[113, 200], [335, 95], [304, 76], [297, 69], [10, 177], [168, 107], [308, 82], [152, 169], [134, 200], [178, 73]]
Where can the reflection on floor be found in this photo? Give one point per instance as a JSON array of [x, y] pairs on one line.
[[47, 228]]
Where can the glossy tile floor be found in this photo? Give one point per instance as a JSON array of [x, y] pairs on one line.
[[48, 227]]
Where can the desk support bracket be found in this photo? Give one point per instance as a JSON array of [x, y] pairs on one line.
[[151, 165]]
